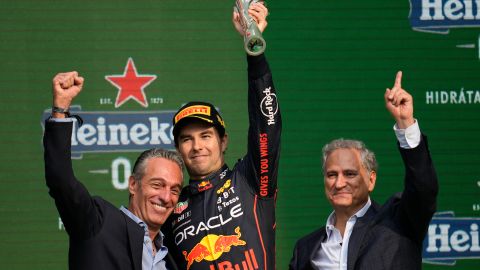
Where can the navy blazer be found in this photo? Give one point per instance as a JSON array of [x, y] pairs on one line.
[[389, 236], [101, 235]]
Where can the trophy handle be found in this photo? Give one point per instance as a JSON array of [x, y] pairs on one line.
[[253, 42]]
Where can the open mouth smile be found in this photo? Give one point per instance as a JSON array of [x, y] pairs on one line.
[[158, 206]]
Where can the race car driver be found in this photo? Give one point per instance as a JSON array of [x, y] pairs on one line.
[[225, 218]]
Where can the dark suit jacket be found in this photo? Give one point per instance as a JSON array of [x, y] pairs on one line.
[[389, 236], [101, 236]]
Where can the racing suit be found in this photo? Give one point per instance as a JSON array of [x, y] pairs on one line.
[[227, 220]]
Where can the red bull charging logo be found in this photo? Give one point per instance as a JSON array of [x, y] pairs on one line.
[[212, 246]]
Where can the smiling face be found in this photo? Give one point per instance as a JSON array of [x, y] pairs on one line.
[[154, 197], [347, 182], [201, 148]]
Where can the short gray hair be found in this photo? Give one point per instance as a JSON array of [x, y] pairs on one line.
[[367, 156], [141, 163]]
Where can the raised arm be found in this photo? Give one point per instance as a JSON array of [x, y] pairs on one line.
[[418, 200], [74, 203], [261, 162]]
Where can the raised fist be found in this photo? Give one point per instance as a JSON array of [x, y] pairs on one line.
[[66, 87]]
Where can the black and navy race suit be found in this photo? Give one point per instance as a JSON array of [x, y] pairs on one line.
[[227, 220]]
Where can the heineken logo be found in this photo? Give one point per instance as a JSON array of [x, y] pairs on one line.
[[120, 131], [451, 238], [438, 16]]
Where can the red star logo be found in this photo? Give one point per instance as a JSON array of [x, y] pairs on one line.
[[130, 85]]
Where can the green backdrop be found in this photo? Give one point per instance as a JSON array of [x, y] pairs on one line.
[[331, 62]]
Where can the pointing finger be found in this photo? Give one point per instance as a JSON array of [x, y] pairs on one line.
[[396, 86], [398, 80]]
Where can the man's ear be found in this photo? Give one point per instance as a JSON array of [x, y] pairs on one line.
[[224, 142], [372, 180], [132, 185]]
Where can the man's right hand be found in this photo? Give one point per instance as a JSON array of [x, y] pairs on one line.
[[66, 87]]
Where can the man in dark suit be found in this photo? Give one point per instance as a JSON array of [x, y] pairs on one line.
[[103, 236], [360, 234]]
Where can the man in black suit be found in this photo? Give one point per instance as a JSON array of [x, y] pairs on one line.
[[360, 234], [103, 236]]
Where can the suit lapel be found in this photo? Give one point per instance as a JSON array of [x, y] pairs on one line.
[[135, 239], [316, 246], [170, 262], [359, 231]]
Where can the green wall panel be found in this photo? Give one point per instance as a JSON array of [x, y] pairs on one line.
[[331, 61]]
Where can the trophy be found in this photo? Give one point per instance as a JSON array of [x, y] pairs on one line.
[[253, 41]]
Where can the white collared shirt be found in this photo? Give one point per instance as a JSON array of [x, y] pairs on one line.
[[150, 259], [334, 252]]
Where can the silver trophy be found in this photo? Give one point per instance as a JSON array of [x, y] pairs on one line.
[[253, 41]]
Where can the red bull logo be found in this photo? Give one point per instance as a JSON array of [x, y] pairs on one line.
[[250, 263], [197, 254], [204, 185], [212, 246], [224, 242]]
